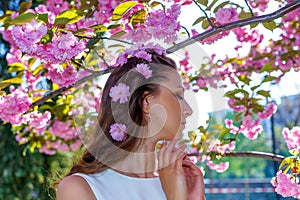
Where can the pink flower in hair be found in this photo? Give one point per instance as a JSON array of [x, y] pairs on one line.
[[118, 132], [144, 69], [120, 91]]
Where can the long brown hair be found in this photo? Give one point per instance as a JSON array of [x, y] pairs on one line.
[[101, 153]]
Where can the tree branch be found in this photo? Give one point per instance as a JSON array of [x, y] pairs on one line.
[[254, 154], [263, 18], [63, 89]]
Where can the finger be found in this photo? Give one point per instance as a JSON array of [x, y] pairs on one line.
[[193, 169]]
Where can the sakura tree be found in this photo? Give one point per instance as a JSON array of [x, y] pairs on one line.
[[60, 50]]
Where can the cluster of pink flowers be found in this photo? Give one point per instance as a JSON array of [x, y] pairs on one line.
[[12, 106], [217, 146], [66, 77], [27, 37], [292, 137], [250, 127], [286, 185], [50, 148], [62, 48], [160, 24], [38, 121], [140, 51], [63, 130], [260, 4], [220, 167], [226, 15], [248, 35], [185, 65]]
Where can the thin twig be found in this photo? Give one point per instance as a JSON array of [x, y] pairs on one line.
[[254, 154], [105, 38], [249, 7], [264, 18], [186, 30], [208, 19]]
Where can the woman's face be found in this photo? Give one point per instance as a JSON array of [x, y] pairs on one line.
[[170, 109]]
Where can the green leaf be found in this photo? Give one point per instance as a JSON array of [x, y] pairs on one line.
[[205, 24], [294, 152], [99, 28], [285, 165], [8, 82], [200, 19], [16, 67], [156, 3], [269, 78], [138, 17], [253, 25], [118, 35], [264, 93], [122, 9], [255, 87], [211, 5], [68, 17], [13, 80], [192, 135], [47, 38], [24, 18], [267, 68], [203, 2], [244, 79], [43, 18], [270, 25], [25, 6], [245, 15], [221, 6]]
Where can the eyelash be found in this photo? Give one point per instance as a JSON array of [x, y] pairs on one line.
[[179, 97]]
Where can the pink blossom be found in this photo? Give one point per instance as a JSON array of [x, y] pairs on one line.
[[234, 107], [226, 15], [144, 69], [286, 185], [63, 130], [292, 137], [21, 140], [138, 34], [27, 36], [47, 149], [164, 25], [269, 111], [260, 4], [75, 145], [39, 121], [221, 167], [184, 63], [65, 78], [118, 132], [13, 105], [120, 91]]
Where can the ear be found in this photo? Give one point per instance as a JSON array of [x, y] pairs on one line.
[[148, 100]]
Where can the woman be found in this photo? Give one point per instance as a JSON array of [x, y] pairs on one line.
[[142, 103]]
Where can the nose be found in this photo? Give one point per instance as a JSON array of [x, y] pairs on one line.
[[187, 110]]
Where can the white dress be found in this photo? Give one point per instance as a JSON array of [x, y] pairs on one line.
[[111, 185]]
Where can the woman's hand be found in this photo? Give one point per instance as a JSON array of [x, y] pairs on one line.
[[171, 173], [194, 180]]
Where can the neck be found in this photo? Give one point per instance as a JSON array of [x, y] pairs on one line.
[[141, 163]]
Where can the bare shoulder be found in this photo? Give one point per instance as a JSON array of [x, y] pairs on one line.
[[74, 188]]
